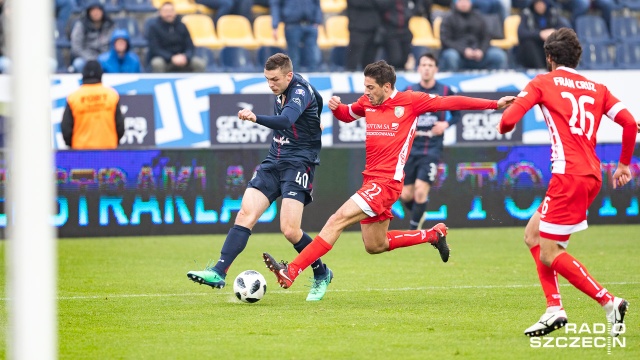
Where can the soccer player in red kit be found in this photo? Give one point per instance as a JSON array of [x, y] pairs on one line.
[[573, 107], [391, 118]]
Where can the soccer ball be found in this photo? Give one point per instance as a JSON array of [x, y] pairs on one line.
[[250, 286]]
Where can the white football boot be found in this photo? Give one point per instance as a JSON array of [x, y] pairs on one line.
[[548, 322], [615, 315]]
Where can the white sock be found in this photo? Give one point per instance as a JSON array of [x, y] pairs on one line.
[[552, 309]]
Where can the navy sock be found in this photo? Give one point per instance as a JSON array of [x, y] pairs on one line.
[[408, 205], [235, 242], [319, 269], [416, 215]]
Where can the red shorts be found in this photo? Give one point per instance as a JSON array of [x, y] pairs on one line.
[[375, 198], [564, 209]]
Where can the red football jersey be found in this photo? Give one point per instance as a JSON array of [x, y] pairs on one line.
[[573, 107], [392, 124]]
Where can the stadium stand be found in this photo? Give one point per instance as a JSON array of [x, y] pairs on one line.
[[263, 32], [422, 33], [333, 6], [110, 6], [337, 28], [510, 40], [61, 36], [596, 56], [131, 25], [324, 43], [625, 29], [265, 51], [236, 31], [338, 58], [202, 30], [185, 7], [236, 59], [592, 29], [139, 6], [628, 55], [209, 56]]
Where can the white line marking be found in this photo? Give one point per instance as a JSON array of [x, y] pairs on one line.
[[223, 292]]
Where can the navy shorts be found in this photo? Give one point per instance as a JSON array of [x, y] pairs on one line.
[[291, 180], [423, 167]]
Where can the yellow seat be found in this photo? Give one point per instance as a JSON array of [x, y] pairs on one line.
[[263, 32], [437, 24], [202, 31], [337, 28], [510, 40], [235, 30], [422, 33], [333, 6], [258, 10], [323, 42]]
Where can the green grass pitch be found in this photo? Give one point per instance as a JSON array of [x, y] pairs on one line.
[[129, 298]]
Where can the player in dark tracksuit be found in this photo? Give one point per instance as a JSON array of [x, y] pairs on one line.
[[426, 153], [286, 172]]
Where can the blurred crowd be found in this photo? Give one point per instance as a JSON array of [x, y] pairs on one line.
[[132, 36]]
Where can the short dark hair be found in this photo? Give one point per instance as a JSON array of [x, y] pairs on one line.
[[381, 72], [563, 47], [429, 55], [279, 61]]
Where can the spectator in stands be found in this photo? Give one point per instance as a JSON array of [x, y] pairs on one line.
[[397, 36], [226, 7], [170, 45], [120, 59], [92, 118], [465, 41], [365, 33], [91, 35], [301, 19], [63, 12], [537, 22]]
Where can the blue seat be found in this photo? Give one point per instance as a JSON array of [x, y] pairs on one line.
[[236, 59], [264, 52], [633, 5], [61, 35], [592, 29], [596, 56], [131, 25], [625, 29], [208, 55], [139, 6], [110, 6], [628, 55], [338, 58]]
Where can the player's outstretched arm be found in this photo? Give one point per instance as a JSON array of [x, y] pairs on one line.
[[505, 101]]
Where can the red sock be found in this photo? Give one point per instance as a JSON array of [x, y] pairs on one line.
[[571, 269], [404, 238], [548, 279], [311, 253]]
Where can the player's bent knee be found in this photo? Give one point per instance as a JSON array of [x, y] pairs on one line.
[[293, 234]]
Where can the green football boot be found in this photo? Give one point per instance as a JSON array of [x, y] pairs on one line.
[[208, 276], [319, 287]]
